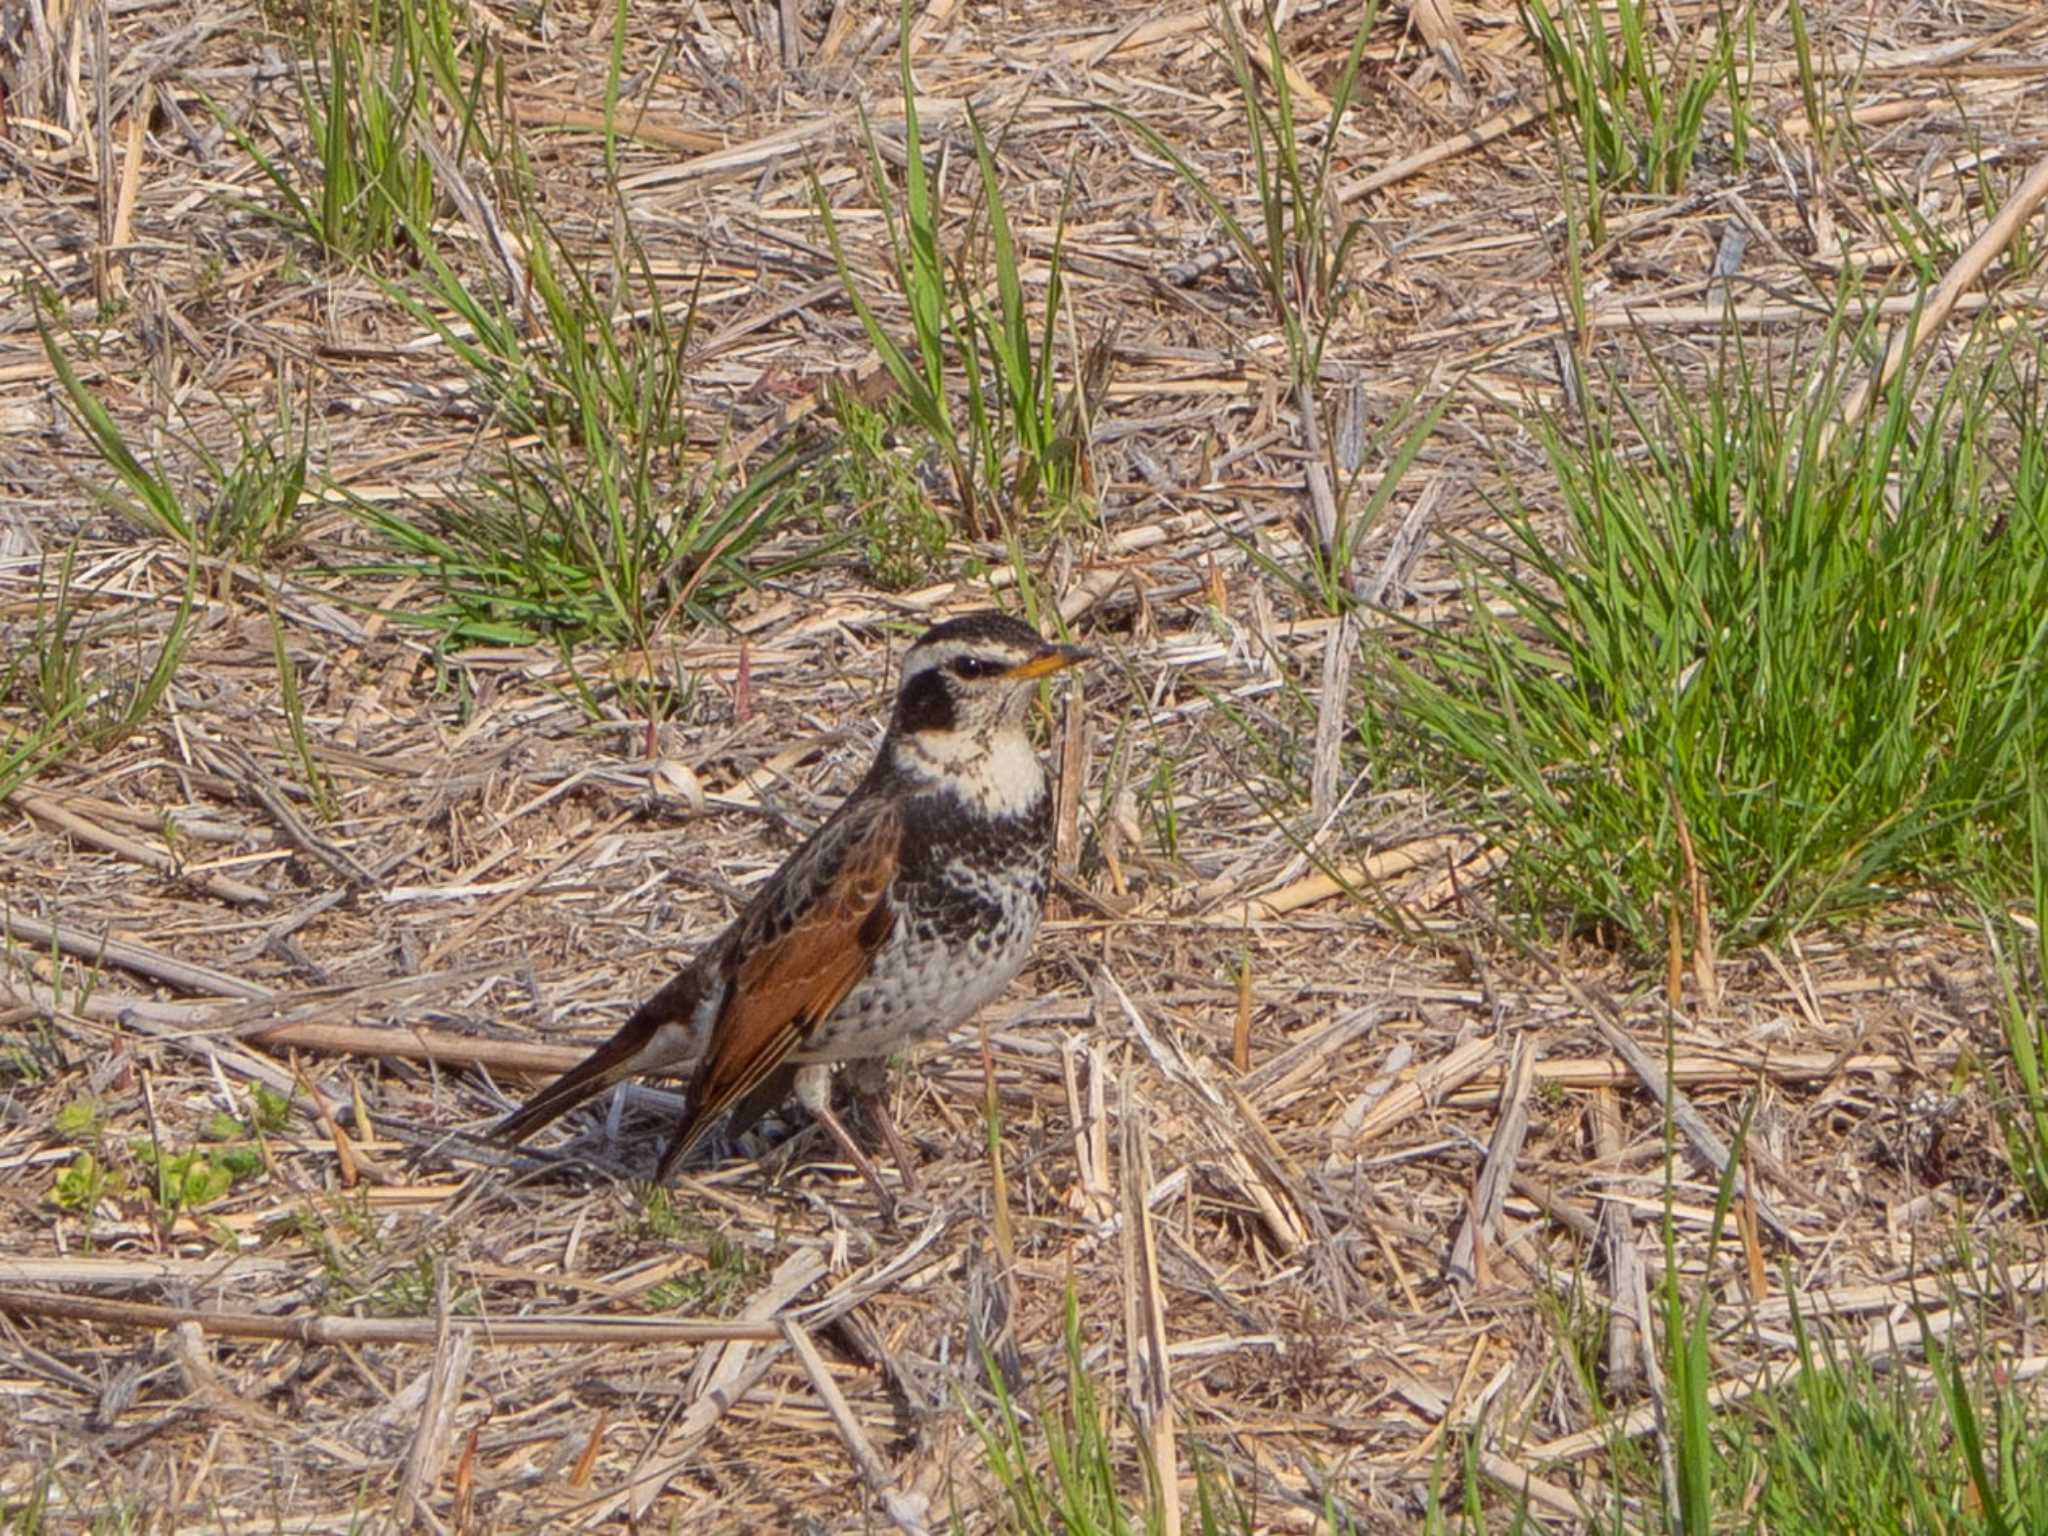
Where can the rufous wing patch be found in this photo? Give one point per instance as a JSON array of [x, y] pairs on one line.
[[783, 988]]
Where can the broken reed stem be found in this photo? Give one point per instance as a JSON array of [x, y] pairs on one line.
[[382, 1330], [905, 1511], [1928, 319], [1477, 1233], [1147, 1357], [1241, 1030]]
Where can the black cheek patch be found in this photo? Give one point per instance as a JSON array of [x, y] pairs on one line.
[[925, 704]]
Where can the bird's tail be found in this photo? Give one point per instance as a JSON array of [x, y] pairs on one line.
[[696, 1126], [653, 1040], [606, 1067], [685, 1139]]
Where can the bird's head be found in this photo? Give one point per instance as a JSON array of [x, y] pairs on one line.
[[971, 677]]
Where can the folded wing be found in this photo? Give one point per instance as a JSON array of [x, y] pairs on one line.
[[793, 962]]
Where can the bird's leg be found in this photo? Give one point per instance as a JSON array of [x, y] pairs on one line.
[[868, 1081], [814, 1089]]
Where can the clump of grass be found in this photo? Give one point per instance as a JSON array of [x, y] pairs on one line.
[[1693, 1484], [2023, 1116], [569, 549], [728, 1274], [608, 524], [729, 1271], [252, 514], [1807, 670], [87, 677], [1298, 250], [301, 740], [28, 673], [1843, 1447], [152, 502], [244, 509], [871, 474], [1082, 1491], [1837, 1445], [1636, 106], [1008, 443], [412, 1287], [367, 180]]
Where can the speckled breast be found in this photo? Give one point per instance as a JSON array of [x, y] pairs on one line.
[[968, 897]]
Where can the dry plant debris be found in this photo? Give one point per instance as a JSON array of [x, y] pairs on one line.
[[384, 1322]]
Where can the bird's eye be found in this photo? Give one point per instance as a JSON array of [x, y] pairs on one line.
[[975, 667]]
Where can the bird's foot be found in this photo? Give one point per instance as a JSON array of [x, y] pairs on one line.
[[877, 1106], [885, 1201]]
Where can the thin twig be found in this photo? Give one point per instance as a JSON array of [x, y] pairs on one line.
[[1607, 1019], [101, 949], [318, 1329], [226, 888]]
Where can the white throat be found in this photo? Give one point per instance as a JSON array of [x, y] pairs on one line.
[[996, 773]]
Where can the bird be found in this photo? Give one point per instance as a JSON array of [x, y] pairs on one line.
[[909, 908]]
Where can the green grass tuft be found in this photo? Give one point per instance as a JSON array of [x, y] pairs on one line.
[[606, 525], [1637, 104], [1819, 667], [244, 509], [1059, 1470], [1846, 1447], [870, 473], [1008, 440], [365, 99], [2023, 1114]]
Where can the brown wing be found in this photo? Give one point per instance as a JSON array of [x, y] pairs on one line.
[[799, 951]]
